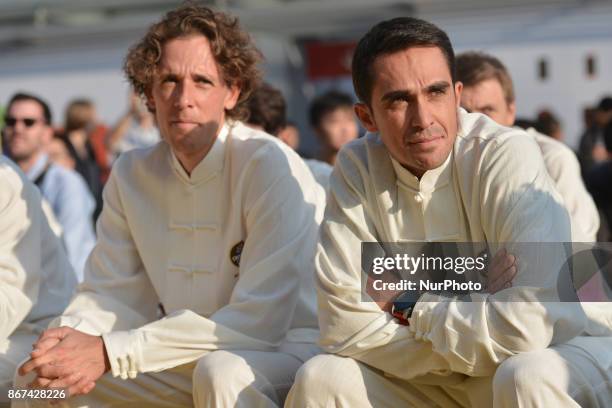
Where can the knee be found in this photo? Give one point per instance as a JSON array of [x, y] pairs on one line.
[[216, 370], [323, 376], [524, 374]]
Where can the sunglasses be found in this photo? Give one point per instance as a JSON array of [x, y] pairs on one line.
[[28, 122]]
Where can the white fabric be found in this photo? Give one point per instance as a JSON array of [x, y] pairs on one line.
[[31, 258], [238, 378], [56, 227], [493, 188], [165, 237], [563, 167], [13, 351], [560, 376], [36, 279], [321, 171]]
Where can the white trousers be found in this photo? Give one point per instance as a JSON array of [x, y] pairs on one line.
[[574, 374], [252, 379], [12, 352]]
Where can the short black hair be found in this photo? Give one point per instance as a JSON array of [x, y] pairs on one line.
[[524, 123], [391, 36], [22, 96], [267, 108], [326, 103], [605, 105], [547, 123]]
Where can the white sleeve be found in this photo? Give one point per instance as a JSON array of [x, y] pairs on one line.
[[20, 249], [563, 167], [519, 204], [116, 293]]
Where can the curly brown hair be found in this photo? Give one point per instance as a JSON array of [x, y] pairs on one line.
[[234, 51]]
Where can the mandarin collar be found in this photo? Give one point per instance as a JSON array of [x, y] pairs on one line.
[[431, 179], [210, 165]]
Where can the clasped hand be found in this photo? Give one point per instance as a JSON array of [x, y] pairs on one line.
[[67, 358]]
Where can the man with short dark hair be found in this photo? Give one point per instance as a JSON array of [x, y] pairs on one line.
[[488, 89], [333, 121], [28, 131], [267, 110], [199, 290], [430, 172]]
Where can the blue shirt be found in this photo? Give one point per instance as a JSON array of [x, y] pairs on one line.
[[73, 206]]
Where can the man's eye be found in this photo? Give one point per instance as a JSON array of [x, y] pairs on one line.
[[438, 92], [169, 81], [400, 100]]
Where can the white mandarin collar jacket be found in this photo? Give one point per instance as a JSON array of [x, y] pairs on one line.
[[228, 252], [493, 188]]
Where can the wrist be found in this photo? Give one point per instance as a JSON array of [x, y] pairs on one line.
[[107, 365], [403, 305]]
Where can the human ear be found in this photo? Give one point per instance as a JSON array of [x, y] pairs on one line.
[[364, 113]]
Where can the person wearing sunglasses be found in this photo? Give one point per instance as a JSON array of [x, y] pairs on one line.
[[27, 133]]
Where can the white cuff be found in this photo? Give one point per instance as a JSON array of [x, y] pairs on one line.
[[123, 350], [423, 315]]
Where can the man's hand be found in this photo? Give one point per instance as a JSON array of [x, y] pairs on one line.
[[67, 358], [383, 298], [501, 271]]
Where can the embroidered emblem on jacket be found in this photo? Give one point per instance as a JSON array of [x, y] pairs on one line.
[[235, 253]]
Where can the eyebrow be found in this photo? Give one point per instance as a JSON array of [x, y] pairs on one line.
[[484, 107], [438, 86], [395, 95], [406, 94], [167, 74], [200, 77]]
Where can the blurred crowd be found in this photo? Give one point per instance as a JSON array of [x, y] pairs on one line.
[[71, 163], [594, 153]]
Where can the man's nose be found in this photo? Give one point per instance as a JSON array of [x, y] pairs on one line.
[[19, 126], [184, 94], [422, 115]]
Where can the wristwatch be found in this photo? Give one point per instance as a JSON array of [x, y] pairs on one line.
[[403, 305]]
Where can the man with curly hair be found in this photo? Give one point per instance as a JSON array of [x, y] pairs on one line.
[[199, 290]]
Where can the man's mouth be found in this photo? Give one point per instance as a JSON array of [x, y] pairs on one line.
[[423, 141], [184, 124]]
